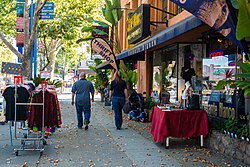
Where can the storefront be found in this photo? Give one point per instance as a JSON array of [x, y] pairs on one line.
[[220, 64]]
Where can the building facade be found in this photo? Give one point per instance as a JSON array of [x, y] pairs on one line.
[[157, 36]]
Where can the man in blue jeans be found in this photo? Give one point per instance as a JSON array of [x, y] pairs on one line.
[[81, 91]]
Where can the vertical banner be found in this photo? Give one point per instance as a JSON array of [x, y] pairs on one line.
[[215, 13], [100, 46]]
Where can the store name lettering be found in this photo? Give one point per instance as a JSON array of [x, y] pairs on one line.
[[134, 21], [134, 34], [104, 52]]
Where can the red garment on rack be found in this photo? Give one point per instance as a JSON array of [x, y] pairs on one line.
[[51, 110]]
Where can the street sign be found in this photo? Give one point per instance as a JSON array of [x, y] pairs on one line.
[[46, 16], [48, 7], [19, 8], [47, 12]]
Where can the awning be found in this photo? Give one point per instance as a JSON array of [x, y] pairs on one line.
[[163, 36], [104, 65]]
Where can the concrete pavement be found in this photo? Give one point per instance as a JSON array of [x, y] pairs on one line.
[[103, 145]]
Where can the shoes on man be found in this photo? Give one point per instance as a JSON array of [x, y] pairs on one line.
[[118, 128], [79, 127], [86, 127]]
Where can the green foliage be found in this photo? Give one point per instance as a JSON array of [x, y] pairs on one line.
[[231, 125], [243, 131], [8, 16], [150, 103], [100, 78], [88, 30], [38, 80], [70, 17], [244, 83], [112, 11], [160, 76], [130, 76], [56, 83]]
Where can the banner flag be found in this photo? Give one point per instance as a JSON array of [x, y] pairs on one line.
[[101, 46], [215, 13]]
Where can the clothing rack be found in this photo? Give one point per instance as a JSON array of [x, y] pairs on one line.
[[38, 137]]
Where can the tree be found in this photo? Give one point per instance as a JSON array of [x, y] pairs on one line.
[[6, 56], [70, 16], [64, 30], [7, 27]]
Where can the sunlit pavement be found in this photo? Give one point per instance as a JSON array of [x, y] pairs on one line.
[[103, 145]]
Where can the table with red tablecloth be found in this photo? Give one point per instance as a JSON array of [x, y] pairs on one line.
[[178, 123]]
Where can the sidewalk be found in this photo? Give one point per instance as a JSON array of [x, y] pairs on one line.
[[103, 145]]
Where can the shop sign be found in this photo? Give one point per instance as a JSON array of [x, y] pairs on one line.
[[101, 32], [216, 53], [11, 68], [138, 24], [100, 46]]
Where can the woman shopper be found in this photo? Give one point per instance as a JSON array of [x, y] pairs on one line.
[[118, 94]]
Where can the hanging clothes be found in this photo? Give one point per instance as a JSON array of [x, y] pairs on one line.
[[23, 96], [52, 115]]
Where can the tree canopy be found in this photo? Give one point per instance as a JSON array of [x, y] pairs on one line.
[[70, 17]]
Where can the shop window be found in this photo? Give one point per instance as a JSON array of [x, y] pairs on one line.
[[164, 72], [216, 67]]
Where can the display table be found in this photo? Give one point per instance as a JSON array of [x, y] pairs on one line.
[[178, 124]]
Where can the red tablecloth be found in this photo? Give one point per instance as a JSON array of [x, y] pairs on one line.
[[178, 123]]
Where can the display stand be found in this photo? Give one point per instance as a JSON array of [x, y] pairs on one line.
[[38, 137]]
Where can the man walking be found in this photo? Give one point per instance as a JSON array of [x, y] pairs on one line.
[[81, 94]]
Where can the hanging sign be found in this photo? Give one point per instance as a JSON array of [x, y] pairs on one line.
[[100, 46], [215, 13], [11, 68], [138, 24]]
